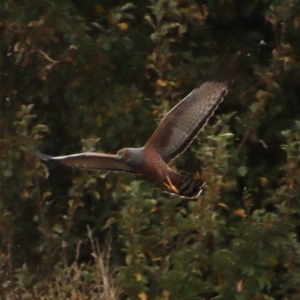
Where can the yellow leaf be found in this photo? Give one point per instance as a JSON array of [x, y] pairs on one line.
[[239, 286], [128, 259], [143, 296], [36, 23], [166, 294], [46, 195], [223, 205], [138, 277], [153, 209], [17, 47], [161, 82], [263, 181], [123, 26], [261, 94], [109, 222], [26, 194], [240, 212]]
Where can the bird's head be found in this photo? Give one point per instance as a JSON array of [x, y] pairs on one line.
[[131, 156], [124, 154]]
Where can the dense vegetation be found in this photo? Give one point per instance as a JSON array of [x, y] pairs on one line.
[[98, 76]]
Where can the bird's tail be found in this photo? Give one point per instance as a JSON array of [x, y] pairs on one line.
[[40, 155], [182, 186]]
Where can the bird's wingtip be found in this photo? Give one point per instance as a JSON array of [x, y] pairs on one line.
[[228, 69]]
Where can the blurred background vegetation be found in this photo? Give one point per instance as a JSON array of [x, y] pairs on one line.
[[99, 75]]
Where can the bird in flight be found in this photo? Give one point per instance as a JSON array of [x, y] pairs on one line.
[[177, 130]]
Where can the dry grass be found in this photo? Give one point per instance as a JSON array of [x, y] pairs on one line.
[[75, 281]]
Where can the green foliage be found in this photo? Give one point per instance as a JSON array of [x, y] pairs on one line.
[[100, 75]]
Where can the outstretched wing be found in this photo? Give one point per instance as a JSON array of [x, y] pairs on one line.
[[88, 160], [184, 121]]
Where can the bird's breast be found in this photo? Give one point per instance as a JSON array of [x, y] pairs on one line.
[[154, 167]]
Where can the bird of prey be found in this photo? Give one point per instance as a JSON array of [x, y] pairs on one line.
[[173, 135]]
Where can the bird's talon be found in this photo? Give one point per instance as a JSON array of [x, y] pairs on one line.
[[170, 186]]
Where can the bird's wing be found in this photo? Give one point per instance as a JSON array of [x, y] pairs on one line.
[[184, 121], [88, 160]]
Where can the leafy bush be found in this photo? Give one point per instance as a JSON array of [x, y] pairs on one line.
[[99, 76]]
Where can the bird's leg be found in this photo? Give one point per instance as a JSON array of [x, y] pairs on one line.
[[170, 186]]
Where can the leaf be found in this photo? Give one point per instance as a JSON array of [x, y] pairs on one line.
[[240, 212], [17, 47], [40, 128], [129, 259], [27, 109], [123, 26], [154, 37], [57, 228], [109, 222], [263, 144], [161, 82], [166, 27], [143, 296], [223, 205], [263, 181], [166, 294], [46, 195], [8, 173], [98, 26], [261, 95], [153, 209], [149, 20], [242, 170], [182, 29], [239, 286], [138, 277], [250, 271], [96, 194], [227, 135], [127, 6], [36, 23], [261, 281]]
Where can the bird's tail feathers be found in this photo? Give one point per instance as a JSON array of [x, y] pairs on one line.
[[185, 187], [40, 155]]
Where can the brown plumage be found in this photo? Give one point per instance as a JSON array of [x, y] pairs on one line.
[[174, 134]]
